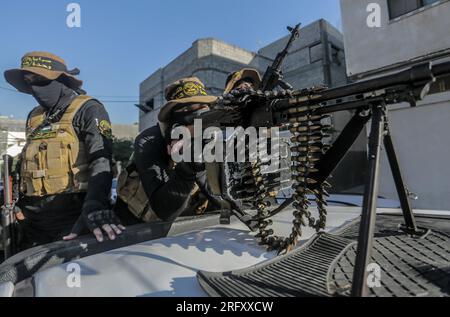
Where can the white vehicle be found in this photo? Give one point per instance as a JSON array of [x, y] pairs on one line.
[[188, 261], [359, 249]]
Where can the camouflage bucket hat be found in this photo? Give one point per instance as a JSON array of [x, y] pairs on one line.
[[185, 91], [235, 77], [46, 65]]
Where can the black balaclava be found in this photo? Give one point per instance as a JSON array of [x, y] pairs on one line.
[[49, 95]]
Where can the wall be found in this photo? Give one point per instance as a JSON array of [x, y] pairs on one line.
[[310, 62], [408, 37], [316, 58], [423, 147], [12, 125], [125, 131], [420, 134], [210, 60]]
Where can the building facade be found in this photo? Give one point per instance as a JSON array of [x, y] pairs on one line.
[[316, 58], [410, 32], [210, 60], [125, 131], [12, 136], [12, 125], [11, 143]]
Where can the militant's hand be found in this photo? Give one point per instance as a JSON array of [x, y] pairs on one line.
[[97, 222]]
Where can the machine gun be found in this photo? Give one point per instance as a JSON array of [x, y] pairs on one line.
[[305, 114], [273, 77], [227, 117], [7, 212]]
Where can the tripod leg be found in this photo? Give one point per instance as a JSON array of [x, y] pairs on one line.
[[369, 210], [340, 148], [410, 222]]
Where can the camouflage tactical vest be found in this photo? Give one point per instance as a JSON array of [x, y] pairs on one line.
[[54, 161]]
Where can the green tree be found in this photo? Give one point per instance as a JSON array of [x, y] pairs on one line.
[[122, 150]]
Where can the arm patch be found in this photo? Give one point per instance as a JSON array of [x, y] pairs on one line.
[[105, 129]]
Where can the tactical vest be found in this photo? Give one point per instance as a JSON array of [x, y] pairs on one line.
[[131, 191], [54, 161]]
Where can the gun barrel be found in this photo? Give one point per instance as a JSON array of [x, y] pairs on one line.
[[442, 69], [295, 33], [273, 75], [415, 76], [421, 73]]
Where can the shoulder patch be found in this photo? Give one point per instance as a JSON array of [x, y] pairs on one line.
[[105, 129]]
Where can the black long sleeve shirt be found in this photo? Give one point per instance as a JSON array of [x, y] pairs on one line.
[[169, 189], [99, 149]]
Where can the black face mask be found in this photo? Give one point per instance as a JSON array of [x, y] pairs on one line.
[[47, 96]]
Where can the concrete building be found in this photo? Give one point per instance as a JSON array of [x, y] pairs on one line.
[[125, 131], [316, 58], [12, 125], [411, 32], [120, 131], [210, 60], [11, 143], [12, 136]]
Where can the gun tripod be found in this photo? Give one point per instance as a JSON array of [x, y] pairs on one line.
[[379, 134]]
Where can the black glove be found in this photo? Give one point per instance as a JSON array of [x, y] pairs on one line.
[[95, 222]]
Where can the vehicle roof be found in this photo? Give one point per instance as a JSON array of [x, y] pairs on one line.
[[168, 267]]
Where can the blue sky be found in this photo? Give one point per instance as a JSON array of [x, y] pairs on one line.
[[122, 42]]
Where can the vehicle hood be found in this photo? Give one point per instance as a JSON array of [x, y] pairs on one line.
[[168, 267]]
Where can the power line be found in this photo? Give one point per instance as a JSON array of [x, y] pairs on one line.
[[99, 96], [119, 101], [102, 96]]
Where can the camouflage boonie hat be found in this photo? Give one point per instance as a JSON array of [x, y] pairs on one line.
[[235, 77], [184, 92], [46, 65]]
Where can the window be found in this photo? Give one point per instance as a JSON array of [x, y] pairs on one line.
[[147, 106], [151, 104], [440, 86], [400, 7], [335, 55]]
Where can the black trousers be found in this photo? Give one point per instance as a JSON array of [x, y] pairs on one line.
[[48, 219]]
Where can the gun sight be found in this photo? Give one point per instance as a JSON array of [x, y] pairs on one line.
[[295, 30]]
